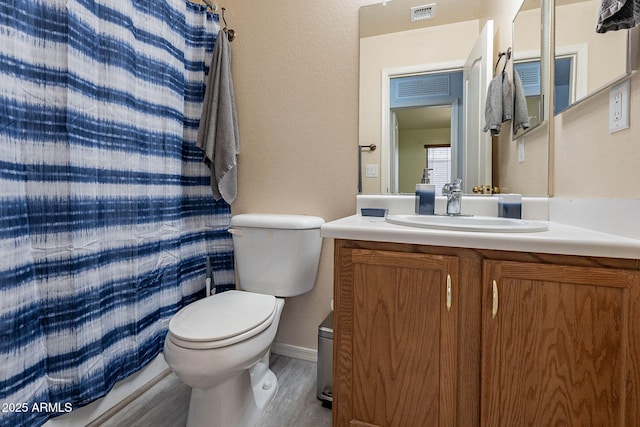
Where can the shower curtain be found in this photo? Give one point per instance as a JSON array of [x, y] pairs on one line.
[[106, 214]]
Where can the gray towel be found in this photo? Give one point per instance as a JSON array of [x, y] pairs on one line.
[[617, 15], [218, 133], [498, 107], [507, 99], [520, 109]]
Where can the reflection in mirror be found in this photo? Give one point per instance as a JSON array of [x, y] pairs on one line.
[[425, 114], [585, 61], [523, 167], [388, 58], [424, 141], [527, 66], [391, 46]]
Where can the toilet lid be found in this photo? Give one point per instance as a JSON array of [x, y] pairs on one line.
[[222, 316]]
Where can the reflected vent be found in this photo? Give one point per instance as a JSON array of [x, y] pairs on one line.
[[424, 86], [420, 13], [530, 75]]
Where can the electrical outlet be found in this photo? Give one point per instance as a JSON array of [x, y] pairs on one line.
[[619, 106]]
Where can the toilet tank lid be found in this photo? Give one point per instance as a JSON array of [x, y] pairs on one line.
[[280, 221]]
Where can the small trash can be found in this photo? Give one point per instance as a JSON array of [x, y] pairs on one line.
[[325, 361]]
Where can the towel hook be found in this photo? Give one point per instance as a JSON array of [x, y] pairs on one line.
[[506, 54], [231, 34], [211, 5]]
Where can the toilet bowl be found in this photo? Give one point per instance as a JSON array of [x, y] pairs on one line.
[[219, 345], [229, 371]]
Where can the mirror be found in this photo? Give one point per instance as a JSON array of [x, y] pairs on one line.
[[529, 66], [586, 62], [391, 46]]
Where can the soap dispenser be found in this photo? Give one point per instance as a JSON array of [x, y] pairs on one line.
[[425, 194]]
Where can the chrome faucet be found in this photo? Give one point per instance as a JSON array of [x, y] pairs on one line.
[[453, 191]]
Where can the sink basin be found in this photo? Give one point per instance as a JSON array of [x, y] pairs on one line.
[[469, 223]]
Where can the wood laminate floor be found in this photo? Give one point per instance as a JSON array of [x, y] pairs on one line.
[[167, 402]]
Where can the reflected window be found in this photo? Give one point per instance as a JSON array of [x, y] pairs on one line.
[[563, 87], [529, 72], [439, 160]]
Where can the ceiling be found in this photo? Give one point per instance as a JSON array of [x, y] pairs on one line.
[[424, 118], [377, 19]]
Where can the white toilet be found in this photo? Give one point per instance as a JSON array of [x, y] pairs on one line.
[[219, 346]]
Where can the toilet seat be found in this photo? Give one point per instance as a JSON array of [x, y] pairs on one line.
[[222, 319]]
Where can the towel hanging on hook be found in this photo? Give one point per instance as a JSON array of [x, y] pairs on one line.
[[499, 103], [506, 54]]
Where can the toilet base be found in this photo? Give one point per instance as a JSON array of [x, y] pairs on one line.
[[237, 402]]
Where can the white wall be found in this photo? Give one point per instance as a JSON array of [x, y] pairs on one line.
[[295, 70]]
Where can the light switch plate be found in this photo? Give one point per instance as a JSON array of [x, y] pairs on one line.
[[371, 171], [619, 106], [521, 150]]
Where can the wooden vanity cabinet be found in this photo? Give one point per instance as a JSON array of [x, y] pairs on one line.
[[560, 345], [438, 336], [396, 330]]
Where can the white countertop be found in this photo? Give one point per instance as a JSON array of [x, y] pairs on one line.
[[559, 239]]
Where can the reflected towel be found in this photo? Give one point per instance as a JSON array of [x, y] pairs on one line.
[[218, 133], [520, 109], [498, 105], [507, 99], [617, 15]]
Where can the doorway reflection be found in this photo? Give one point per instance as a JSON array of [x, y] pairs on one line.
[[425, 116], [424, 141]]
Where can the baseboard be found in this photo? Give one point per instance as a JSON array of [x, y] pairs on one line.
[[302, 353]]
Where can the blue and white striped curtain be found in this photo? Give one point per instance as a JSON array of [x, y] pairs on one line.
[[106, 213]]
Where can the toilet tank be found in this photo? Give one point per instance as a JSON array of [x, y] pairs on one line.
[[276, 254]]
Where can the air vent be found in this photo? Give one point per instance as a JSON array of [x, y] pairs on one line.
[[530, 75], [424, 85], [421, 13]]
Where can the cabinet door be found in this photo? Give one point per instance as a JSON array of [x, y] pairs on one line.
[[396, 346], [559, 346]]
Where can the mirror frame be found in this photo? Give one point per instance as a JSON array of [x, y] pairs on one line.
[[547, 31], [633, 44]]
